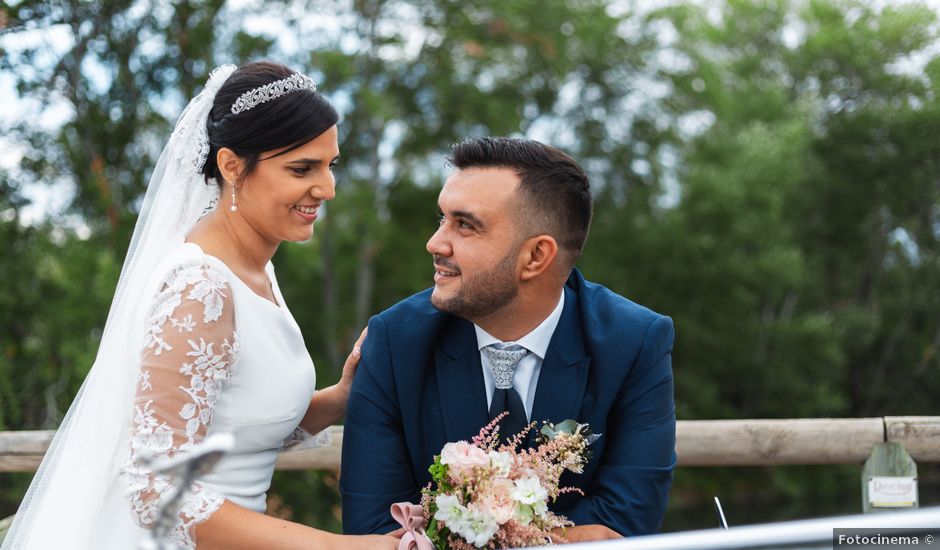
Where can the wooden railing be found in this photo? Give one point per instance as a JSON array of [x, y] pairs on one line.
[[698, 443]]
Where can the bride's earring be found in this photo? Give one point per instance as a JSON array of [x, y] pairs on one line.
[[234, 207]]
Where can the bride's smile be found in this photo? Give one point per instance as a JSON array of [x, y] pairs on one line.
[[281, 197]]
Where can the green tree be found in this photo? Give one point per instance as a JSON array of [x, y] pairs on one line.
[[800, 259], [410, 78], [764, 172]]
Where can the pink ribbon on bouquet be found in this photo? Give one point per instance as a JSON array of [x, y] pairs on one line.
[[411, 517]]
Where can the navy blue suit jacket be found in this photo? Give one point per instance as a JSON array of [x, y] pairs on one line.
[[420, 385]]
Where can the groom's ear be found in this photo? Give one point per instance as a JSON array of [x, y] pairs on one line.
[[539, 254], [230, 165]]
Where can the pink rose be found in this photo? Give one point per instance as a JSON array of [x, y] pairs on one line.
[[462, 457], [497, 500]]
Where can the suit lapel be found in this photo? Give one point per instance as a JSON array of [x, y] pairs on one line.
[[460, 381], [563, 376]]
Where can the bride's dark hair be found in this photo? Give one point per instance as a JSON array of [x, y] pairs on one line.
[[288, 121]]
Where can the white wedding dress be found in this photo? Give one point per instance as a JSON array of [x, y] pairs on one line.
[[188, 351], [217, 358]]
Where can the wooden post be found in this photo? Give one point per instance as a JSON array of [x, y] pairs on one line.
[[889, 480], [766, 442], [920, 435]]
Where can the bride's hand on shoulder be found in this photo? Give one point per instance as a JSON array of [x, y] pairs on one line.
[[352, 362]]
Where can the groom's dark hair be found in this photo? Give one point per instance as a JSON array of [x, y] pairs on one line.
[[290, 120], [554, 190]]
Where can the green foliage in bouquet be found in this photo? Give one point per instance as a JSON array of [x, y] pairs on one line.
[[485, 494]]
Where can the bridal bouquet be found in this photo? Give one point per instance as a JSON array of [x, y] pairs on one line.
[[487, 495]]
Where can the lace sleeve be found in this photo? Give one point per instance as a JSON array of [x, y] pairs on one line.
[[190, 349], [300, 439]]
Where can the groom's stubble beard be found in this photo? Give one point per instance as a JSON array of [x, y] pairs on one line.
[[484, 293]]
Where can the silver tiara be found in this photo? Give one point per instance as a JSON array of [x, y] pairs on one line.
[[274, 90]]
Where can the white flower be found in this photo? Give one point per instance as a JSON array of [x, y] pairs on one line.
[[449, 510], [501, 463], [475, 524], [529, 491], [479, 527]]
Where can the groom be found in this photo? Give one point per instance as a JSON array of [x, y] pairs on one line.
[[510, 325]]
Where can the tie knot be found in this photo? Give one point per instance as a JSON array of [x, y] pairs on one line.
[[503, 360]]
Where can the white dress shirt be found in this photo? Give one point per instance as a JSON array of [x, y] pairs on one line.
[[526, 377]]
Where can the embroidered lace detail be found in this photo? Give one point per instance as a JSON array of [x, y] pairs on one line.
[[202, 151], [301, 439], [206, 285], [190, 350], [187, 127]]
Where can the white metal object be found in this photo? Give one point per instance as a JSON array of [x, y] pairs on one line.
[[810, 533], [183, 469]]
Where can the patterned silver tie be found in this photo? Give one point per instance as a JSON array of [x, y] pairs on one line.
[[503, 360]]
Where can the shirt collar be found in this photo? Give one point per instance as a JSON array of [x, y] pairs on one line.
[[535, 341]]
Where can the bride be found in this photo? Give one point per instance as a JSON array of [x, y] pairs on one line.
[[199, 340]]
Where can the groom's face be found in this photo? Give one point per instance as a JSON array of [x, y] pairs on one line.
[[476, 248]]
